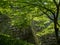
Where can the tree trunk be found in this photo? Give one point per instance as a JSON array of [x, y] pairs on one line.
[[35, 37], [56, 31]]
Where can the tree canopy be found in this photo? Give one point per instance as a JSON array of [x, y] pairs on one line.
[[30, 17]]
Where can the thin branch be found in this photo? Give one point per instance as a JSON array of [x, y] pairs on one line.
[[58, 24], [47, 15], [48, 10], [55, 2], [57, 14]]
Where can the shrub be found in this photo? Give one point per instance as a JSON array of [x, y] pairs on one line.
[[5, 40]]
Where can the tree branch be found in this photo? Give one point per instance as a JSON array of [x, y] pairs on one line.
[[55, 2], [47, 15], [58, 24], [57, 14]]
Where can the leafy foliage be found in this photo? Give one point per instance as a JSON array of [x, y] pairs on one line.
[[20, 15], [5, 40]]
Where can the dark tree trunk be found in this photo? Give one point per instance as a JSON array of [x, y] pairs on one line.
[[56, 31]]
